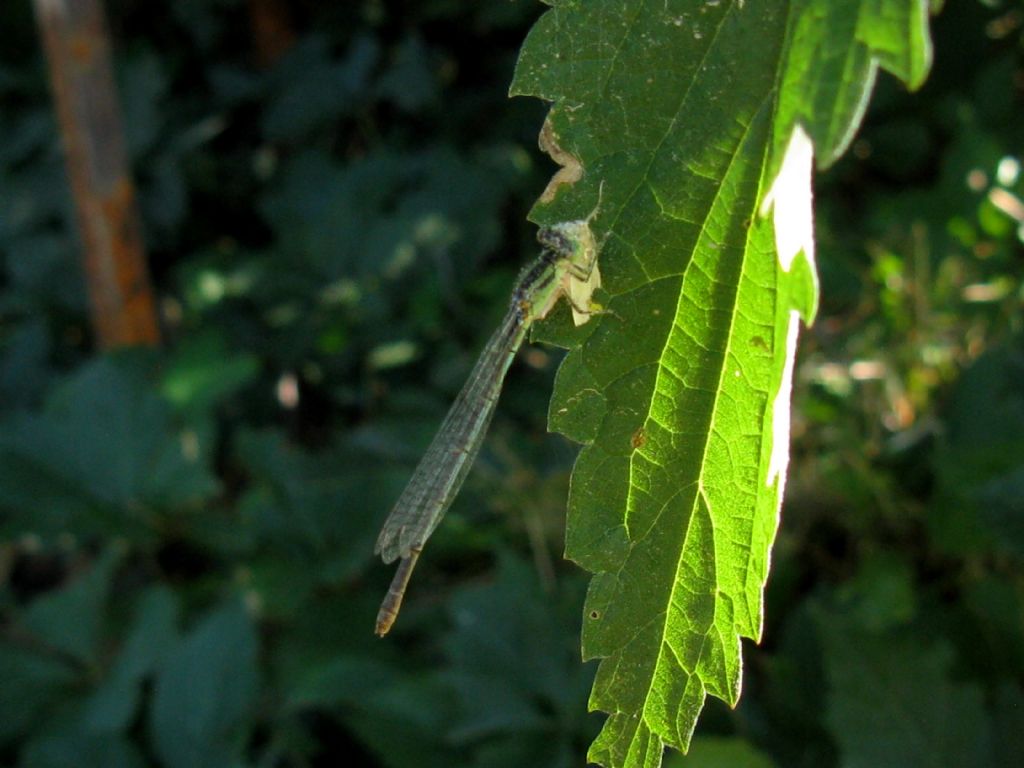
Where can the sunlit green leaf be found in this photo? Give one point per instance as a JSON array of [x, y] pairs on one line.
[[686, 123]]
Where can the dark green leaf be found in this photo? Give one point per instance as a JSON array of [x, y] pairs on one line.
[[32, 684], [82, 750], [113, 705], [303, 504], [70, 620], [104, 453], [311, 87], [204, 692], [1008, 733], [409, 82], [406, 723], [708, 752], [342, 681], [204, 372], [978, 464], [23, 366], [892, 702], [513, 668]]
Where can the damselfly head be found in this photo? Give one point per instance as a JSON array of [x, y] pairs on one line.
[[573, 240]]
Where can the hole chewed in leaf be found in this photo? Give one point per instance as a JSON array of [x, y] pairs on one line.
[[571, 170]]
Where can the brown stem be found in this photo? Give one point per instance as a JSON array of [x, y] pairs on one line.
[[78, 52], [272, 32]]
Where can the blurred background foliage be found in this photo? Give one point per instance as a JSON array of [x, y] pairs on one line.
[[334, 211]]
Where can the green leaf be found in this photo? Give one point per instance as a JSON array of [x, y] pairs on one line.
[[82, 750], [1009, 726], [405, 723], [70, 620], [204, 372], [684, 122], [309, 87], [409, 83], [23, 364], [993, 630], [892, 702], [341, 681], [42, 273], [204, 691], [980, 457], [708, 752], [516, 679], [831, 60], [113, 704], [32, 683], [301, 505], [882, 595], [103, 452]]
